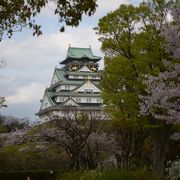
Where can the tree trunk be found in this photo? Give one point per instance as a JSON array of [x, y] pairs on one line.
[[161, 138]]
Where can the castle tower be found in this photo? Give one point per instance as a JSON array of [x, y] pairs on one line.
[[75, 86]]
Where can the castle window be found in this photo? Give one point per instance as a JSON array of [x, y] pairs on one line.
[[58, 89], [78, 100], [98, 100], [88, 90], [67, 87], [88, 100]]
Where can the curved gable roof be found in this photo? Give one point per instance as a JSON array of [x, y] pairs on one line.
[[79, 53]]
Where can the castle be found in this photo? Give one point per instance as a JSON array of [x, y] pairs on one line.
[[75, 86]]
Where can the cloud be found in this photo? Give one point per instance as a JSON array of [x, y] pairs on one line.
[[26, 94], [22, 110], [46, 50], [105, 6]]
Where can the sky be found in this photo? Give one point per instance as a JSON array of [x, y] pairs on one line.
[[30, 61]]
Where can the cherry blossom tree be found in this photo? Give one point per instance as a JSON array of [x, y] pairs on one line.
[[76, 134], [162, 99]]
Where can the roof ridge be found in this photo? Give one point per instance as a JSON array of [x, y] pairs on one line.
[[85, 83], [49, 98], [79, 53], [70, 98]]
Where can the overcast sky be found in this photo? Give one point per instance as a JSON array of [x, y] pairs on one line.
[[31, 60]]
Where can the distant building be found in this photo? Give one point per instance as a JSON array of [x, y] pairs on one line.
[[75, 86]]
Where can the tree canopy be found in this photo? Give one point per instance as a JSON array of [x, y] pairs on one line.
[[135, 48], [18, 14]]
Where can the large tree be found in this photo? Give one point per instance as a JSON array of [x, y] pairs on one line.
[[18, 14], [133, 47], [77, 134], [132, 41], [162, 101], [127, 37]]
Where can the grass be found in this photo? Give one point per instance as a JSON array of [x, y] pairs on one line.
[[115, 174]]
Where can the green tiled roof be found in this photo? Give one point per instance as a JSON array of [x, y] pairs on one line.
[[78, 53], [74, 52], [49, 95], [61, 73], [59, 107]]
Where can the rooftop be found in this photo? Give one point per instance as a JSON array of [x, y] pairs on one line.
[[61, 74], [79, 53]]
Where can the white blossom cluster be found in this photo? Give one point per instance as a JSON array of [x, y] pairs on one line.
[[16, 137], [163, 92], [163, 99], [171, 33], [174, 170]]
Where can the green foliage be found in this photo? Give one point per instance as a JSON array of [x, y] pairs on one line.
[[18, 14], [174, 149], [116, 29], [120, 88], [10, 149], [144, 174], [35, 129], [134, 47], [2, 102], [140, 174], [176, 128], [32, 156], [10, 123], [3, 129]]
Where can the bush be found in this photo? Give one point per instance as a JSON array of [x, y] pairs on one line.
[[144, 174], [140, 174]]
